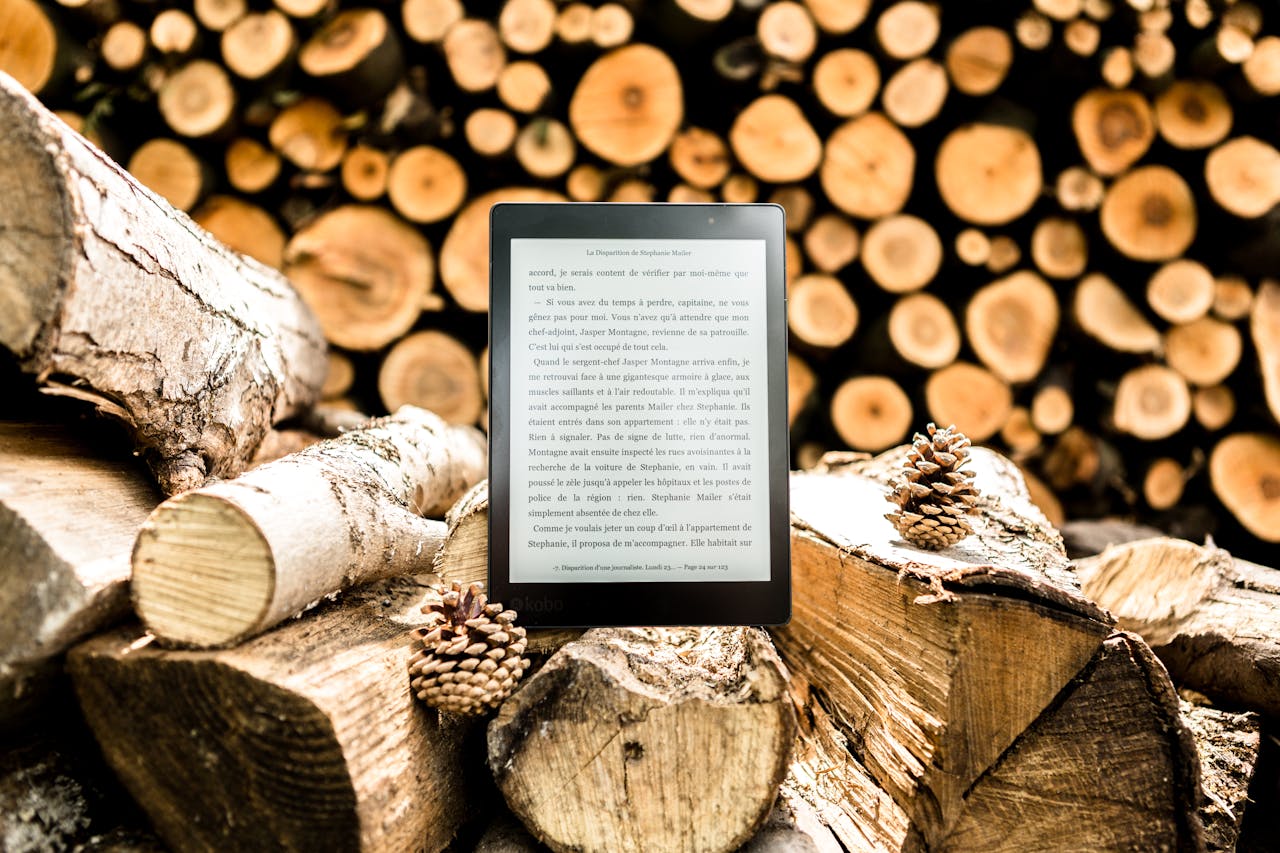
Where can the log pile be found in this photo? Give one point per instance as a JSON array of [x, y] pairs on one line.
[[1051, 223]]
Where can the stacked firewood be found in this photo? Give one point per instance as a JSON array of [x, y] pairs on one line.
[[1048, 222]]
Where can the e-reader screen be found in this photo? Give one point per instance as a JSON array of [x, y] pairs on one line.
[[638, 428]]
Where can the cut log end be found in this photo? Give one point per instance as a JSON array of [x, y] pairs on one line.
[[1245, 471], [1149, 214], [923, 331], [901, 253], [820, 311], [210, 601], [871, 413], [988, 174], [435, 372], [1011, 325], [977, 401], [628, 105], [1152, 402]]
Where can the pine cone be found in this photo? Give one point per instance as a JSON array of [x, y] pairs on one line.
[[472, 652], [934, 494]]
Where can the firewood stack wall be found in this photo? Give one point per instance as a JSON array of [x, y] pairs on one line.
[[1049, 222]]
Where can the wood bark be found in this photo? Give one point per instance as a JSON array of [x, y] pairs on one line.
[[307, 735], [619, 713], [68, 518], [348, 510], [1212, 619], [235, 352], [954, 768]]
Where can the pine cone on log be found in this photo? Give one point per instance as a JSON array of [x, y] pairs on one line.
[[472, 652], [934, 493]]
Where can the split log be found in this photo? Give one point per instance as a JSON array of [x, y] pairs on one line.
[[964, 773], [1228, 747], [1152, 402], [1163, 483], [68, 518], [225, 562], [1059, 248], [868, 167], [831, 242], [474, 53], [1005, 254], [1243, 175], [628, 105], [1213, 407], [524, 86], [1213, 620], [914, 95], [901, 253], [464, 257], [1181, 291], [820, 311], [908, 29], [988, 174], [310, 134], [973, 398], [545, 148], [171, 170], [1011, 324], [1205, 351], [490, 132], [308, 735], [1104, 312], [871, 412], [364, 271], [197, 100], [1193, 114], [1149, 214], [217, 15], [619, 713], [250, 166], [1264, 325], [244, 227], [846, 81], [432, 371], [426, 184], [1113, 129], [787, 31], [978, 60], [1232, 297], [258, 44], [427, 21], [923, 331], [1245, 471], [774, 141], [231, 348], [365, 172], [837, 17]]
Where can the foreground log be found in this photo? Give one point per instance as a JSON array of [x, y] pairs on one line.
[[939, 663], [228, 348], [225, 562], [304, 738], [67, 524], [1228, 747], [1213, 620], [647, 739]]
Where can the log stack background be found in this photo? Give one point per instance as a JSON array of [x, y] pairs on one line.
[[1050, 222]]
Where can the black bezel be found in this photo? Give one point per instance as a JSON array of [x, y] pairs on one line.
[[639, 603]]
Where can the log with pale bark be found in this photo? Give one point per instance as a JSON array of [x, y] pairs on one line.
[[68, 519], [228, 347], [633, 739], [968, 680], [304, 738], [1213, 620], [223, 563]]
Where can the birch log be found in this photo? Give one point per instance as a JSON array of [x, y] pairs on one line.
[[109, 295], [222, 563]]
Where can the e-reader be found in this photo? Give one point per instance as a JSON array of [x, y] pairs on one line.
[[638, 468]]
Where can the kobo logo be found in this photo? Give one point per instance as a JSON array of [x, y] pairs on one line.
[[537, 605]]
